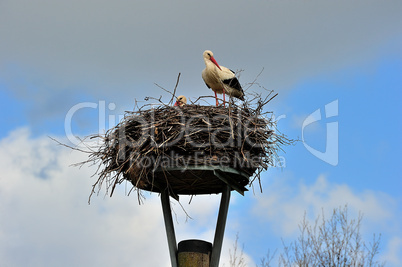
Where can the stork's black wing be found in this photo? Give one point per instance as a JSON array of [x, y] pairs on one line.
[[234, 83]]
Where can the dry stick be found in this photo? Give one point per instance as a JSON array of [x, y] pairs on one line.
[[73, 148], [255, 80], [174, 90], [201, 98]]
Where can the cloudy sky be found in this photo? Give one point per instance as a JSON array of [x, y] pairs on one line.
[[71, 68]]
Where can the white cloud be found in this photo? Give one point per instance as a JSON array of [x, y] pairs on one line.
[[393, 252], [46, 220], [283, 205], [235, 255]]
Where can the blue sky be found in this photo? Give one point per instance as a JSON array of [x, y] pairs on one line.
[[101, 56]]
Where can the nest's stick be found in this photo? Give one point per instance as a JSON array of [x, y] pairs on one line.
[[174, 90]]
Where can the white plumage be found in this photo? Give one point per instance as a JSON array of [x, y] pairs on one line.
[[220, 79]]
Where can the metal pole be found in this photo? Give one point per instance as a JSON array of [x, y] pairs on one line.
[[171, 237], [220, 226]]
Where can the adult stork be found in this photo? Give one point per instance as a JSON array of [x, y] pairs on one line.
[[220, 79]]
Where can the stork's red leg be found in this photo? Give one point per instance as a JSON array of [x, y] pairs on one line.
[[216, 97], [223, 89]]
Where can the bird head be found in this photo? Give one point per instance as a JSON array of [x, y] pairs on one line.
[[180, 101], [208, 55]]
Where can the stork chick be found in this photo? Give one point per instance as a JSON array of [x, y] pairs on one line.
[[180, 101]]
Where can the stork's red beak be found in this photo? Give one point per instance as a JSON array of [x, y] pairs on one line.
[[176, 104], [216, 63]]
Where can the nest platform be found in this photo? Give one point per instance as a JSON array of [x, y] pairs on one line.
[[197, 180]]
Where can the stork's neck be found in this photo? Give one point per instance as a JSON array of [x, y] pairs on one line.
[[210, 65]]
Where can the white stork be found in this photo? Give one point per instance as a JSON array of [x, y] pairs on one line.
[[180, 101], [220, 79]]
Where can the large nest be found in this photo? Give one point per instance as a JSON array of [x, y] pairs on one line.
[[193, 149]]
